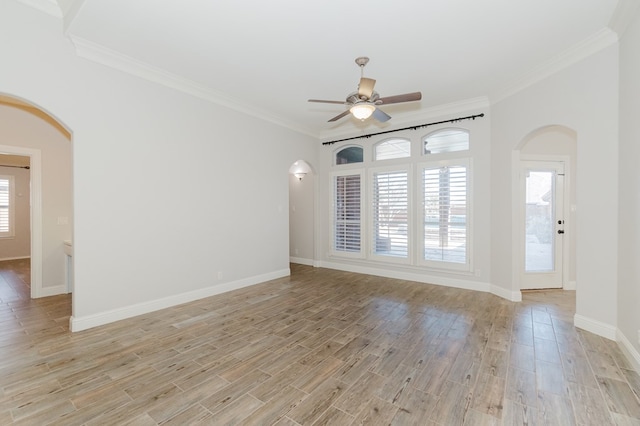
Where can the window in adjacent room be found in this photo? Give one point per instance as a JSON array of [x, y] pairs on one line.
[[6, 206]]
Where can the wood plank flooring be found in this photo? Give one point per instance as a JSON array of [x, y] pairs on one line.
[[321, 347]]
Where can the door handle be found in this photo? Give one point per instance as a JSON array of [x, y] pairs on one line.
[[560, 231]]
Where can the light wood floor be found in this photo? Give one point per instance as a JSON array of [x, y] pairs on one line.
[[320, 347]]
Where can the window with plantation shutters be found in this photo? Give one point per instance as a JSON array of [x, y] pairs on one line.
[[445, 215], [390, 213], [6, 207], [347, 213]]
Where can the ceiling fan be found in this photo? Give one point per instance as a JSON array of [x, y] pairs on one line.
[[364, 102]]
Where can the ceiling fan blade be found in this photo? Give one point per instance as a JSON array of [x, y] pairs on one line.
[[407, 97], [365, 88], [326, 102], [380, 115], [339, 116]]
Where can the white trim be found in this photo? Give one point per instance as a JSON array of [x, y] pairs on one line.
[[49, 7], [53, 290], [623, 15], [513, 296], [628, 350], [95, 320], [594, 326], [571, 285], [409, 276], [35, 164], [587, 47], [301, 261], [15, 258], [97, 53]]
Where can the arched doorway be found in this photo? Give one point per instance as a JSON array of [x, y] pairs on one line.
[[544, 209], [29, 131]]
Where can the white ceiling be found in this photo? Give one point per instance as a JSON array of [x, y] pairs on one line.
[[268, 57]]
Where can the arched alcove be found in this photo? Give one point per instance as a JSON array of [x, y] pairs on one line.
[[29, 131], [302, 187]]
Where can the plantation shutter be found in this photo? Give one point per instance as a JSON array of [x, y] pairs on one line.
[[347, 214], [445, 214], [4, 207], [390, 218]]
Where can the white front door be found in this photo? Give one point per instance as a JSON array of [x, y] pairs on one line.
[[542, 183]]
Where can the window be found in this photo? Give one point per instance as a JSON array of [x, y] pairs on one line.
[[447, 140], [392, 148], [446, 210], [347, 213], [6, 206], [350, 154], [390, 213]]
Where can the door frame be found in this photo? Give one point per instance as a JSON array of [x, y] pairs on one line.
[[35, 164], [518, 225]]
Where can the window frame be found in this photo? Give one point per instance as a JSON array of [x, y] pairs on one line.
[[361, 254], [10, 233], [342, 148], [375, 146], [467, 162], [459, 152], [370, 230]]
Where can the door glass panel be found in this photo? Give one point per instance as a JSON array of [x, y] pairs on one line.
[[539, 221]]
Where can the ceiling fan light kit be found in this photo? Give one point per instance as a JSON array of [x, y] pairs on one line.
[[363, 103], [362, 111]]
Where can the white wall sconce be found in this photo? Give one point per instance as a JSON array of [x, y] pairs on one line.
[[300, 169]]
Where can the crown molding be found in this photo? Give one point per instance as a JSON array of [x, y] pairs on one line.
[[623, 15], [591, 45], [50, 7], [70, 11], [116, 60], [480, 103]]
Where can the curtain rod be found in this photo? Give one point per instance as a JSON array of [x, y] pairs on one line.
[[453, 120], [17, 167]]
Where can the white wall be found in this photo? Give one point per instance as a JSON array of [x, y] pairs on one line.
[[175, 198], [584, 98], [19, 245], [23, 129], [629, 190]]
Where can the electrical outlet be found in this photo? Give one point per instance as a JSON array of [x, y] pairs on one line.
[[639, 337], [219, 275]]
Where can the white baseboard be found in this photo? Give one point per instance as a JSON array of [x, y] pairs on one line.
[[302, 261], [596, 327], [15, 258], [102, 318], [513, 296], [409, 276], [629, 350], [53, 290]]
